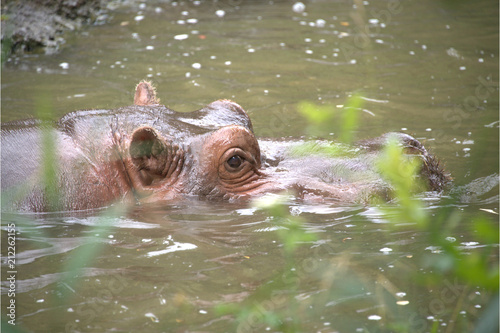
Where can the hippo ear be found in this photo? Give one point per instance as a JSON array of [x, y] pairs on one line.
[[153, 157], [147, 149], [145, 94]]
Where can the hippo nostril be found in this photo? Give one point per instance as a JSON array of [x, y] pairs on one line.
[[234, 161]]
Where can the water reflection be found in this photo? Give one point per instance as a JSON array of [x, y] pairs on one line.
[[173, 265]]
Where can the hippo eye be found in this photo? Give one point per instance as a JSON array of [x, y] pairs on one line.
[[234, 161]]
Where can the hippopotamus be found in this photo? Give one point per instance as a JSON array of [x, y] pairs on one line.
[[148, 153]]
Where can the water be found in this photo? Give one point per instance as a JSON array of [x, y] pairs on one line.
[[428, 68]]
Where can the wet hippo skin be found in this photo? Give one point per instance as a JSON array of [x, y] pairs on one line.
[[149, 153]]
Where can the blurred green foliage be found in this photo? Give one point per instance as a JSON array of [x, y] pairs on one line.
[[478, 268], [401, 172], [309, 148], [323, 119], [49, 168], [472, 268], [6, 39]]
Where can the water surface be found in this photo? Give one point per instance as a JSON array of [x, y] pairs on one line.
[[427, 68]]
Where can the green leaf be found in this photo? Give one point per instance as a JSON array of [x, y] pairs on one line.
[[401, 173], [316, 114], [486, 230], [350, 118]]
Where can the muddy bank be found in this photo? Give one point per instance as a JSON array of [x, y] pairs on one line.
[[29, 25]]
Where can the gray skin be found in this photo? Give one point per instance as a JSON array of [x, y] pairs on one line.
[[148, 153]]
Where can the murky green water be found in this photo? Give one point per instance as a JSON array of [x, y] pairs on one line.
[[427, 68]]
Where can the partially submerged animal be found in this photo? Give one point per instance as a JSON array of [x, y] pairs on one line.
[[149, 153]]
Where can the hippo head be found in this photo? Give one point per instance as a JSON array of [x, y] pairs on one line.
[[221, 164], [212, 153]]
